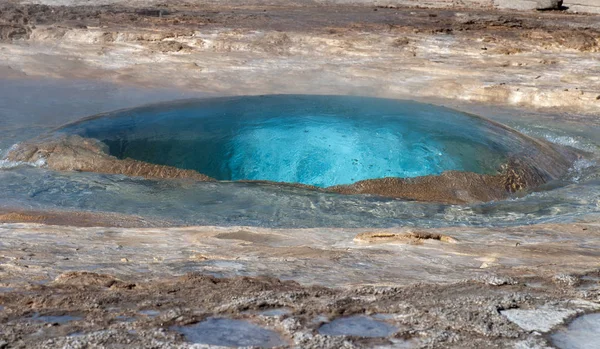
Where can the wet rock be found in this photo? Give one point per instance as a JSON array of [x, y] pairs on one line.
[[541, 320], [170, 46], [84, 279], [401, 42], [82, 219], [413, 238], [21, 217], [577, 40], [495, 280], [152, 12], [360, 326], [450, 187], [532, 343], [529, 4], [14, 32], [276, 43], [566, 279], [548, 4], [74, 153]]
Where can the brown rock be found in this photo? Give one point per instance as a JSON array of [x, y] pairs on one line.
[[412, 238], [74, 153], [83, 278], [452, 187]]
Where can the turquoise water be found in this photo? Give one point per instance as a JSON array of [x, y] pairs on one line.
[[316, 140], [30, 108]]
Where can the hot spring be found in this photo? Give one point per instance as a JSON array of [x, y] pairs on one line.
[[320, 141], [314, 140], [284, 160]]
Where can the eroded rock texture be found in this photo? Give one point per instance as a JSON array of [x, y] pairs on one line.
[[74, 153]]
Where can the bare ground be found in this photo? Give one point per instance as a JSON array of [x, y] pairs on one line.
[[536, 60], [442, 293], [444, 288], [111, 312]]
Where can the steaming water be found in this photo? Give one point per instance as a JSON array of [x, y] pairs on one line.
[[573, 198]]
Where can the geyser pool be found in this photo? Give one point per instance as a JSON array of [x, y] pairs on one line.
[[173, 202], [315, 140]]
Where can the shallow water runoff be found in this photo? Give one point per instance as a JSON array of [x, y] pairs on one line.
[[253, 147]]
